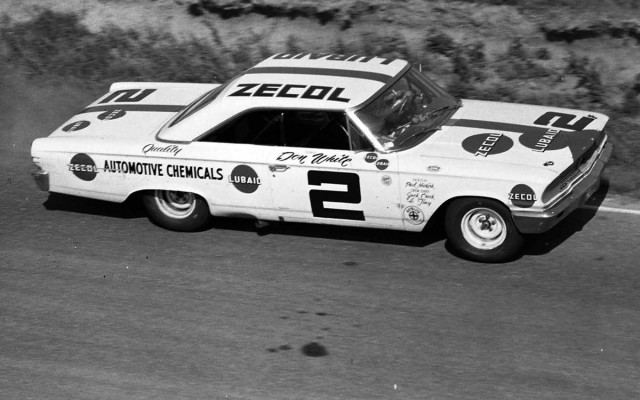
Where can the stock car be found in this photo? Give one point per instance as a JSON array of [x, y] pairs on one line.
[[331, 139]]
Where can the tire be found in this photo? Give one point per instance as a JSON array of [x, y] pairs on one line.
[[177, 211], [482, 230]]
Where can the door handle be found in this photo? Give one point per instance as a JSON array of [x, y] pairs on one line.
[[278, 168]]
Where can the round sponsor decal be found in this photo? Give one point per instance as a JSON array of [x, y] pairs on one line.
[[386, 180], [245, 179], [413, 215], [382, 164], [552, 139], [487, 144], [112, 114], [370, 157], [76, 126], [522, 196], [83, 167]]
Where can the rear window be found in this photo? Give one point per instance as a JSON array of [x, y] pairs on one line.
[[198, 104]]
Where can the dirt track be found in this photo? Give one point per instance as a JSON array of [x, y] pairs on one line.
[[96, 302]]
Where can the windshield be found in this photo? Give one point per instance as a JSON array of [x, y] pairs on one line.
[[407, 112]]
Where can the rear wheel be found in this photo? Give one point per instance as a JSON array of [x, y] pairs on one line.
[[177, 211], [482, 230]]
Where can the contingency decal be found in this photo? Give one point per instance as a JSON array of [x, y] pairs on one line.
[[315, 159], [76, 126], [86, 169], [386, 180], [312, 92], [83, 167], [370, 157], [170, 149], [413, 215], [318, 197], [245, 179], [158, 169], [382, 164], [112, 114], [486, 144], [522, 196], [419, 191]]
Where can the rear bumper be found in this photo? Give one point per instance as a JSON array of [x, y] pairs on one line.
[[528, 222], [42, 179]]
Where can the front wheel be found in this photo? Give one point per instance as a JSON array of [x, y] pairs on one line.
[[482, 230], [177, 211]]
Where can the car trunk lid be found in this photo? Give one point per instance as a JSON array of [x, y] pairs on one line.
[[132, 110]]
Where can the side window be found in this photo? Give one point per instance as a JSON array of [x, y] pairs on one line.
[[258, 127], [316, 129], [291, 128]]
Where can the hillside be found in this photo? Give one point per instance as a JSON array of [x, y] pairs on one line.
[[538, 51]]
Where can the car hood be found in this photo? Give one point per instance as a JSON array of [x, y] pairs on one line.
[[538, 136], [131, 110]]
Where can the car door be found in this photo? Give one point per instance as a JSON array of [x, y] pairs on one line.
[[241, 148], [243, 188], [318, 177]]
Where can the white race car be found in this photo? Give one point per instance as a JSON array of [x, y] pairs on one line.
[[331, 139]]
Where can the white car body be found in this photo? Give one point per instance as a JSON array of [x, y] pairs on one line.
[[139, 137]]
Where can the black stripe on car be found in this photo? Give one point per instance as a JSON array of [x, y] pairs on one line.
[[371, 76], [134, 107]]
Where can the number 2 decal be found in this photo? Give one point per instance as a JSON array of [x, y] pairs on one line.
[[319, 197], [563, 121], [128, 95]]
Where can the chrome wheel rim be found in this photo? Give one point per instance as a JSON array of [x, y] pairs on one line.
[[483, 228], [175, 204]]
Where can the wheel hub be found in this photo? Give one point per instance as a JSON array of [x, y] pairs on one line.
[[178, 204], [483, 228]]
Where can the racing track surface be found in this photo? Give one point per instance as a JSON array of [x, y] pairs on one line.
[[98, 303]]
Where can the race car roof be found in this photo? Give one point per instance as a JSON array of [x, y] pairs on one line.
[[293, 81], [316, 80]]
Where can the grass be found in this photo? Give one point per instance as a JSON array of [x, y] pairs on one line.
[[58, 45]]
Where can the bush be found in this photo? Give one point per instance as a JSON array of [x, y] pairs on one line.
[[58, 44], [475, 54], [591, 81], [516, 63], [631, 103], [588, 77], [517, 51], [461, 66], [543, 54], [440, 43], [389, 45]]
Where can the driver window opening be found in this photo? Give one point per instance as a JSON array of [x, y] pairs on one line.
[[291, 128]]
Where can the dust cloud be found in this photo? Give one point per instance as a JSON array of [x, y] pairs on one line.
[[33, 108]]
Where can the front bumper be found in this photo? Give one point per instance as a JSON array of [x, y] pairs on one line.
[[538, 222], [42, 179]]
